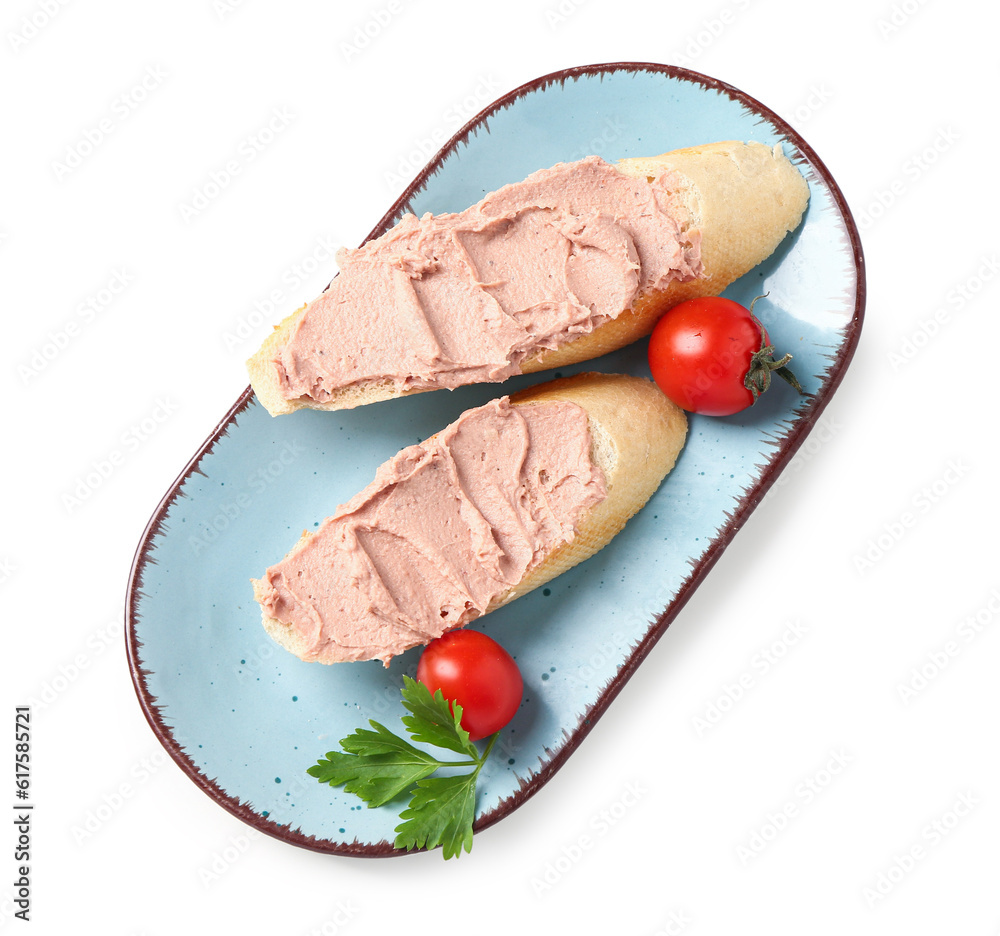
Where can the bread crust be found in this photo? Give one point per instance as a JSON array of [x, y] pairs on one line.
[[636, 437], [743, 197]]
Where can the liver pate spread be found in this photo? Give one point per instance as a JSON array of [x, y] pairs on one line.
[[450, 299], [446, 527]]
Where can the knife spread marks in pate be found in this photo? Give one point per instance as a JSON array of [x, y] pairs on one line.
[[446, 300], [445, 528]]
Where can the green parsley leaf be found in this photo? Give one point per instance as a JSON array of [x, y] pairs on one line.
[[379, 767], [379, 741], [441, 813], [434, 720]]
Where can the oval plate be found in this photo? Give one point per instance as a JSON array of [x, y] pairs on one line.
[[244, 719]]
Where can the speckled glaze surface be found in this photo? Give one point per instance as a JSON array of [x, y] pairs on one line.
[[244, 718]]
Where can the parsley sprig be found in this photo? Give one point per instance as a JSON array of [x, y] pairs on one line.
[[378, 766]]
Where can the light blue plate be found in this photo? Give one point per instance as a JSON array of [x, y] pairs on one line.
[[245, 719]]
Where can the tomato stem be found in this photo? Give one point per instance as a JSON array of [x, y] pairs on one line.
[[762, 364], [785, 374]]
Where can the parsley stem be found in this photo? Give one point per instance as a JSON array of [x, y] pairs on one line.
[[486, 753]]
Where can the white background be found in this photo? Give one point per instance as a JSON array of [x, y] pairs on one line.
[[898, 98]]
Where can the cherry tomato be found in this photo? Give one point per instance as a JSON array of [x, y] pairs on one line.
[[476, 672], [713, 356]]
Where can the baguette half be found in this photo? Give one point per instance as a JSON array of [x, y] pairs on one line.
[[636, 436], [742, 197]]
